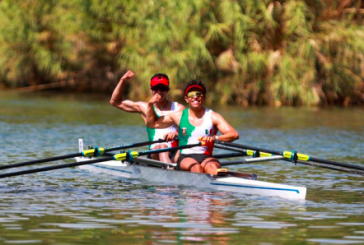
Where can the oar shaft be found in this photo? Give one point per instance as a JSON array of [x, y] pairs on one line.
[[345, 165], [48, 168], [40, 161], [249, 147], [322, 165], [218, 156], [246, 152], [121, 147], [230, 148], [251, 160], [143, 153]]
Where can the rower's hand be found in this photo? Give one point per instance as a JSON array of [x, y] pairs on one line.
[[207, 140], [129, 74], [155, 99], [170, 136]]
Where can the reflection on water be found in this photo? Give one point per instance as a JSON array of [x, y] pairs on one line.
[[73, 206], [128, 212]]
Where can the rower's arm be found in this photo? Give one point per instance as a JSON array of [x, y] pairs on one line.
[[117, 96], [228, 132], [159, 122]]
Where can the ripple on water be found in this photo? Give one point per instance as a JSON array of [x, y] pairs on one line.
[[45, 230], [265, 224], [334, 241], [79, 225], [22, 241], [351, 224], [354, 237]]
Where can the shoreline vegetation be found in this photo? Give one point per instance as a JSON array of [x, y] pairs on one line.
[[248, 52]]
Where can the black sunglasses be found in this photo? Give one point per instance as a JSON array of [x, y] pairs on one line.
[[160, 88]]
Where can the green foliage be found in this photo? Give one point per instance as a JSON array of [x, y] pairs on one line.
[[248, 52], [31, 48]]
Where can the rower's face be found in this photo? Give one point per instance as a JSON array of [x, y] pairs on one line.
[[161, 90], [195, 98]]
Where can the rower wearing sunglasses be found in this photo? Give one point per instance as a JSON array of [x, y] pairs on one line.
[[195, 124], [159, 84]]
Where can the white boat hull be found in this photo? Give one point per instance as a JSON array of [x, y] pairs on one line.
[[201, 181]]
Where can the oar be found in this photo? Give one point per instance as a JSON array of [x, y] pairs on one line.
[[332, 167], [293, 156], [250, 160], [86, 153], [129, 156], [227, 155], [244, 152]]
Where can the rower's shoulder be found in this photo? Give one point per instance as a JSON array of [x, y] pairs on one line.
[[216, 116], [176, 114], [180, 107]]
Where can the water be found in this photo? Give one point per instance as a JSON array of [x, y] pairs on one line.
[[73, 206]]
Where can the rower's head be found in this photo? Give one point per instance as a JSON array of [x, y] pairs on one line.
[[195, 91], [159, 83]]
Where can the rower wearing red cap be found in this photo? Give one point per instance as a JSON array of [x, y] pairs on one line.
[[159, 84], [195, 124]]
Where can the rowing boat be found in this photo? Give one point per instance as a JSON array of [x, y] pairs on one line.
[[146, 169]]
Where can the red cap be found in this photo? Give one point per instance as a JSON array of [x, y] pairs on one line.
[[195, 86], [159, 80]]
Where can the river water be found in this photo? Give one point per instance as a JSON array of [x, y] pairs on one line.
[[74, 206]]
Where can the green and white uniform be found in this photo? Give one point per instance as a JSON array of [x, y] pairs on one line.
[[158, 133], [189, 134]]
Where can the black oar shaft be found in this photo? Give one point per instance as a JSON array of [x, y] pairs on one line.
[[48, 168], [40, 161], [345, 165], [249, 147], [231, 148], [322, 165], [143, 153], [251, 160], [245, 152], [218, 156], [121, 147]]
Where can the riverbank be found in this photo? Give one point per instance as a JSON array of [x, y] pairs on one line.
[[300, 53]]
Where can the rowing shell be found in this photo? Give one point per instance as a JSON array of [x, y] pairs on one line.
[[158, 175]]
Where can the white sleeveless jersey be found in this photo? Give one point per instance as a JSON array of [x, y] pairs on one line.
[[158, 133], [189, 134]]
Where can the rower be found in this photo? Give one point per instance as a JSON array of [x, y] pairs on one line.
[[159, 84], [195, 124]]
